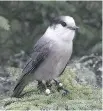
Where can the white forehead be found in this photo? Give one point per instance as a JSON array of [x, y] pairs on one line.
[[69, 20]]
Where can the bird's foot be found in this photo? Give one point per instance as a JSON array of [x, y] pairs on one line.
[[61, 88], [41, 86], [44, 87], [65, 92], [48, 84]]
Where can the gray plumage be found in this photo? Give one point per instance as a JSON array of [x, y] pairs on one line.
[[48, 59]]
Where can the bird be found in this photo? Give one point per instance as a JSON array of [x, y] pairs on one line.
[[50, 54]]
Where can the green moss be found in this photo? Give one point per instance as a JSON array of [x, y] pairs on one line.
[[81, 97]]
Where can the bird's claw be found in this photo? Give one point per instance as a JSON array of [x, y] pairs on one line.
[[65, 92]]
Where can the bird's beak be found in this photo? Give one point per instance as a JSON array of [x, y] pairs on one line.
[[73, 28], [76, 27]]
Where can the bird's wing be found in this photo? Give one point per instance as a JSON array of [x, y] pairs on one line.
[[40, 52]]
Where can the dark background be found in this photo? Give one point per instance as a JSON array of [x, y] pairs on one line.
[[22, 23]]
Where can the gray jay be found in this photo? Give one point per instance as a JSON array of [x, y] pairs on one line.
[[50, 54]]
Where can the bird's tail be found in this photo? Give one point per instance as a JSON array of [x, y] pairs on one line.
[[19, 87]]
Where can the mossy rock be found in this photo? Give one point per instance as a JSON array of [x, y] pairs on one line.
[[81, 97]]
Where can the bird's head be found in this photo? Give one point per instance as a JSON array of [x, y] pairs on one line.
[[62, 27]]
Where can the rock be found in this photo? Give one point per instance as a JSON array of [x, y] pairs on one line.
[[93, 62], [97, 48], [78, 65], [77, 78], [3, 72], [83, 74], [81, 96]]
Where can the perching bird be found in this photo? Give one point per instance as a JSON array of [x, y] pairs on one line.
[[50, 54]]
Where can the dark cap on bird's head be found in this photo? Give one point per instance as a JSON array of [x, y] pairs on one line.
[[65, 21]]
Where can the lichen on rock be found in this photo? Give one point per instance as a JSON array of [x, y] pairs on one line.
[[81, 96]]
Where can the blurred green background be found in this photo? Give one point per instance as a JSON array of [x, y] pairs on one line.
[[23, 22]]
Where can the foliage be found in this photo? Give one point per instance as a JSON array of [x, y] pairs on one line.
[[29, 20], [4, 23], [81, 97]]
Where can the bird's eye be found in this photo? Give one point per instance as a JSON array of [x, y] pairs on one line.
[[63, 24]]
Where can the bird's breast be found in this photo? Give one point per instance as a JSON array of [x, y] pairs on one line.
[[56, 61]]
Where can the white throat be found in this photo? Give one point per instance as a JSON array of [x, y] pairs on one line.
[[60, 33]]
